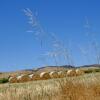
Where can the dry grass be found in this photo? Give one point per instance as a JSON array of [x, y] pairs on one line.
[[85, 87]]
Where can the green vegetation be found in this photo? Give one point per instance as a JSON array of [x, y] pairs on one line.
[[3, 80], [92, 70]]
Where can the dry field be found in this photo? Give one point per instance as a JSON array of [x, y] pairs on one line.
[[85, 87]]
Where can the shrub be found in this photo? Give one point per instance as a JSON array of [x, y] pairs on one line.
[[92, 70], [97, 70], [3, 80], [88, 71]]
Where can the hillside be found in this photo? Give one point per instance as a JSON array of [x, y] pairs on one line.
[[47, 69], [94, 66]]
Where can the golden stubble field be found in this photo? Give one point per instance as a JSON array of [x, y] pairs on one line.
[[85, 87]]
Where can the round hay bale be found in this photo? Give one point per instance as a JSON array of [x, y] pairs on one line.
[[44, 75], [23, 78], [61, 74], [19, 78], [30, 76], [12, 79], [71, 72], [54, 74], [34, 77], [79, 72]]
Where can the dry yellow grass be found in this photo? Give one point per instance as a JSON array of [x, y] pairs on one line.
[[85, 87]]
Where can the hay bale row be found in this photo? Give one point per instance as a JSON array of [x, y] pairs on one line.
[[45, 76], [74, 72], [19, 79]]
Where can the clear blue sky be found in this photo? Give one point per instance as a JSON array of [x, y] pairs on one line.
[[66, 18]]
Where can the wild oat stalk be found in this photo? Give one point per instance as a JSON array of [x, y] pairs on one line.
[[58, 47], [93, 43], [37, 28], [62, 50]]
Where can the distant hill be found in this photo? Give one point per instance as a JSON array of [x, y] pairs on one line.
[[53, 68], [38, 70], [46, 69], [94, 65]]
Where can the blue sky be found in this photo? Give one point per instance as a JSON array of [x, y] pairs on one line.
[[66, 18]]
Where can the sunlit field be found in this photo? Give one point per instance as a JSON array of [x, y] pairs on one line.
[[85, 87], [50, 50]]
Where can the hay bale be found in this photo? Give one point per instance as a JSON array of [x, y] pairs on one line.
[[44, 75], [19, 78], [23, 78], [79, 72], [71, 72], [34, 77], [12, 79], [61, 74], [53, 74], [30, 76]]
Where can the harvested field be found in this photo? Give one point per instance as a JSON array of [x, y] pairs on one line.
[[85, 87]]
